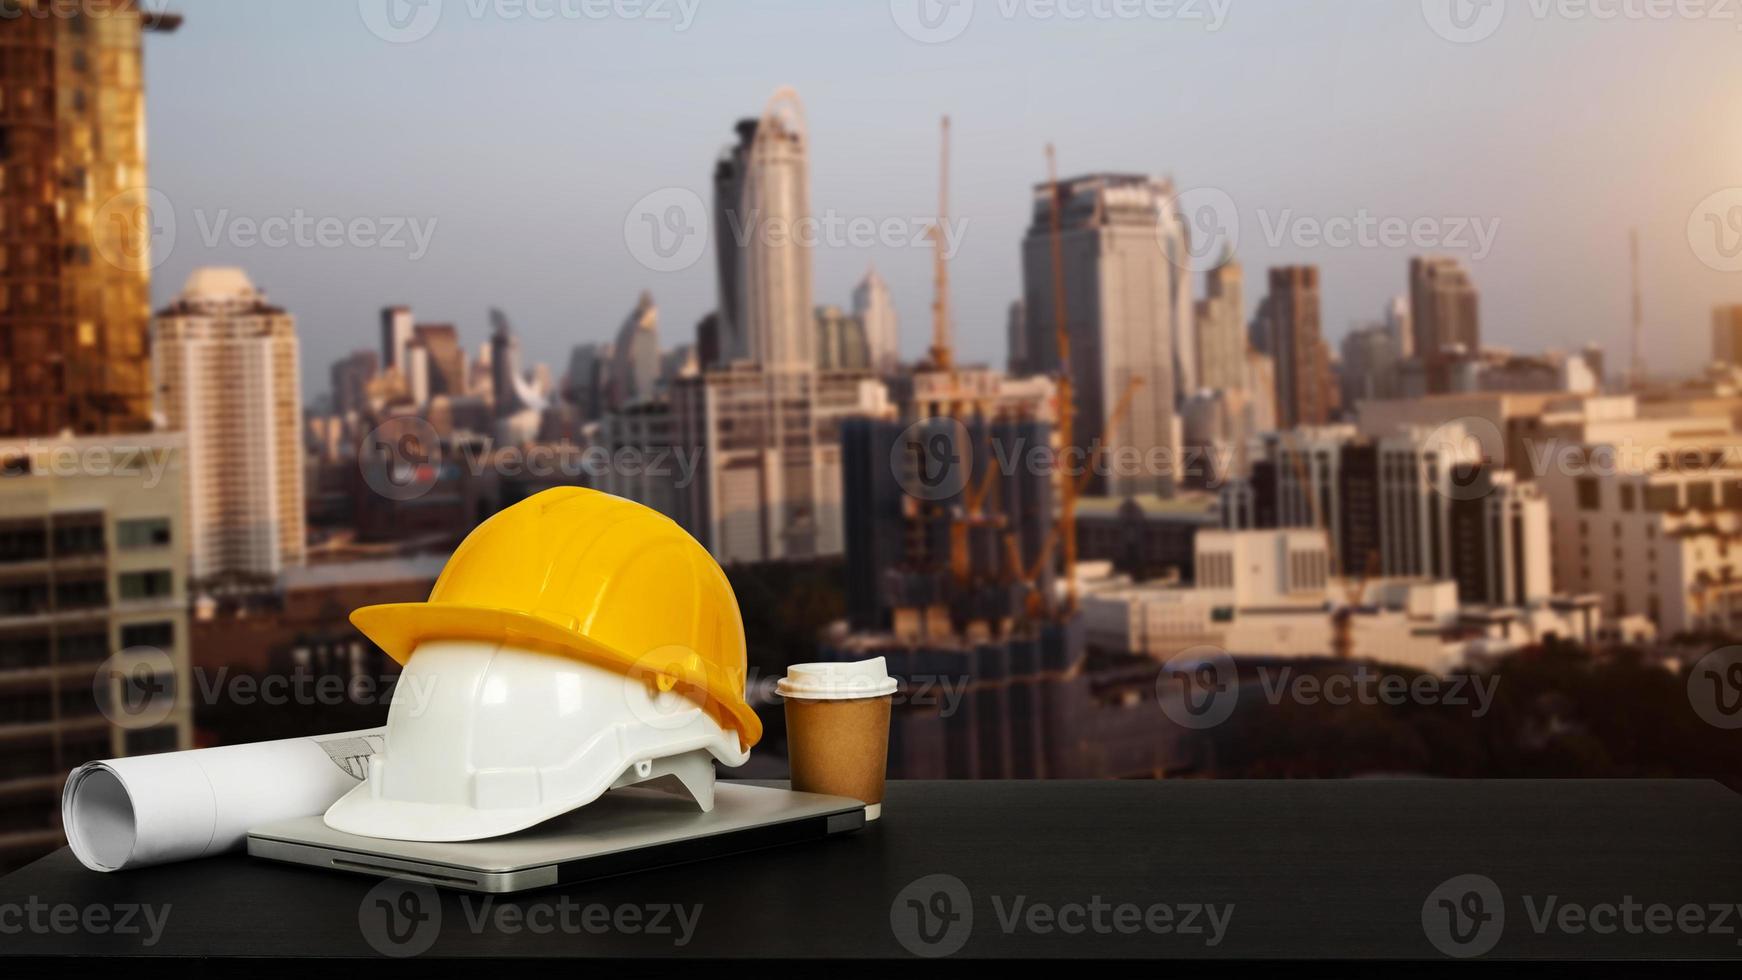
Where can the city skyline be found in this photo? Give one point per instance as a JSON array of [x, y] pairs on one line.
[[530, 217]]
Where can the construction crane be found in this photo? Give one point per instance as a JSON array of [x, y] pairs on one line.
[[1066, 393], [943, 355], [1070, 485]]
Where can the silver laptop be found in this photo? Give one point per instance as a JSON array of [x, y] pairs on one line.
[[625, 830]]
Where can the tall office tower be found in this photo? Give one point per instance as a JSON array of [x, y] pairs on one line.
[[843, 343], [1727, 336], [513, 394], [225, 365], [875, 309], [1303, 369], [1397, 321], [581, 386], [1260, 391], [1370, 365], [447, 358], [635, 356], [731, 226], [761, 200], [708, 342], [398, 327], [351, 377], [1128, 303], [1444, 314], [93, 615], [1017, 362], [1221, 328], [76, 218]]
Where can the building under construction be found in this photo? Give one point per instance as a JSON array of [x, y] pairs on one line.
[[960, 553]]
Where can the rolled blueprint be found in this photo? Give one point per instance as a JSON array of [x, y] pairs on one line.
[[154, 809]]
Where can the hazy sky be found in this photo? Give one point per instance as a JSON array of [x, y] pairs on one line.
[[519, 135]]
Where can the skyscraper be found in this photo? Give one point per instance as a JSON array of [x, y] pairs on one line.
[[447, 358], [635, 356], [842, 344], [77, 218], [1128, 310], [1444, 315], [397, 327], [1290, 319], [875, 310], [729, 341], [1221, 328], [225, 364], [761, 201]]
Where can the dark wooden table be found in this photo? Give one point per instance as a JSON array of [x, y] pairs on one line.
[[1351, 870]]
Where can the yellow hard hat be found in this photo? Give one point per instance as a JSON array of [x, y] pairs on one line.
[[588, 575]]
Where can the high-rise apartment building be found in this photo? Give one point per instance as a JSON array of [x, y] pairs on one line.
[[93, 618], [76, 218], [874, 308], [1128, 307], [1444, 316], [225, 363], [635, 356], [1412, 503], [1290, 317], [1221, 329]]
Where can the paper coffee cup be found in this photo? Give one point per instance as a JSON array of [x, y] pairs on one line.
[[837, 729]]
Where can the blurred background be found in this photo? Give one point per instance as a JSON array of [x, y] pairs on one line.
[[1166, 388]]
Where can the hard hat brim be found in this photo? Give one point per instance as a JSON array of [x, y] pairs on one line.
[[398, 628], [360, 813]]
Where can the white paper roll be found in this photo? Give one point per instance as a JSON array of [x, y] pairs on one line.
[[154, 809]]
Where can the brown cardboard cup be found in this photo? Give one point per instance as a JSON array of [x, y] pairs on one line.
[[837, 730]]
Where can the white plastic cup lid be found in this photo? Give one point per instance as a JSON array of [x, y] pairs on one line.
[[837, 682]]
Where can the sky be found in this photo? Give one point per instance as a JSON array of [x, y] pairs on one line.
[[465, 154]]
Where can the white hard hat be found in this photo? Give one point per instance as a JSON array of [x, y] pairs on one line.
[[487, 738]]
